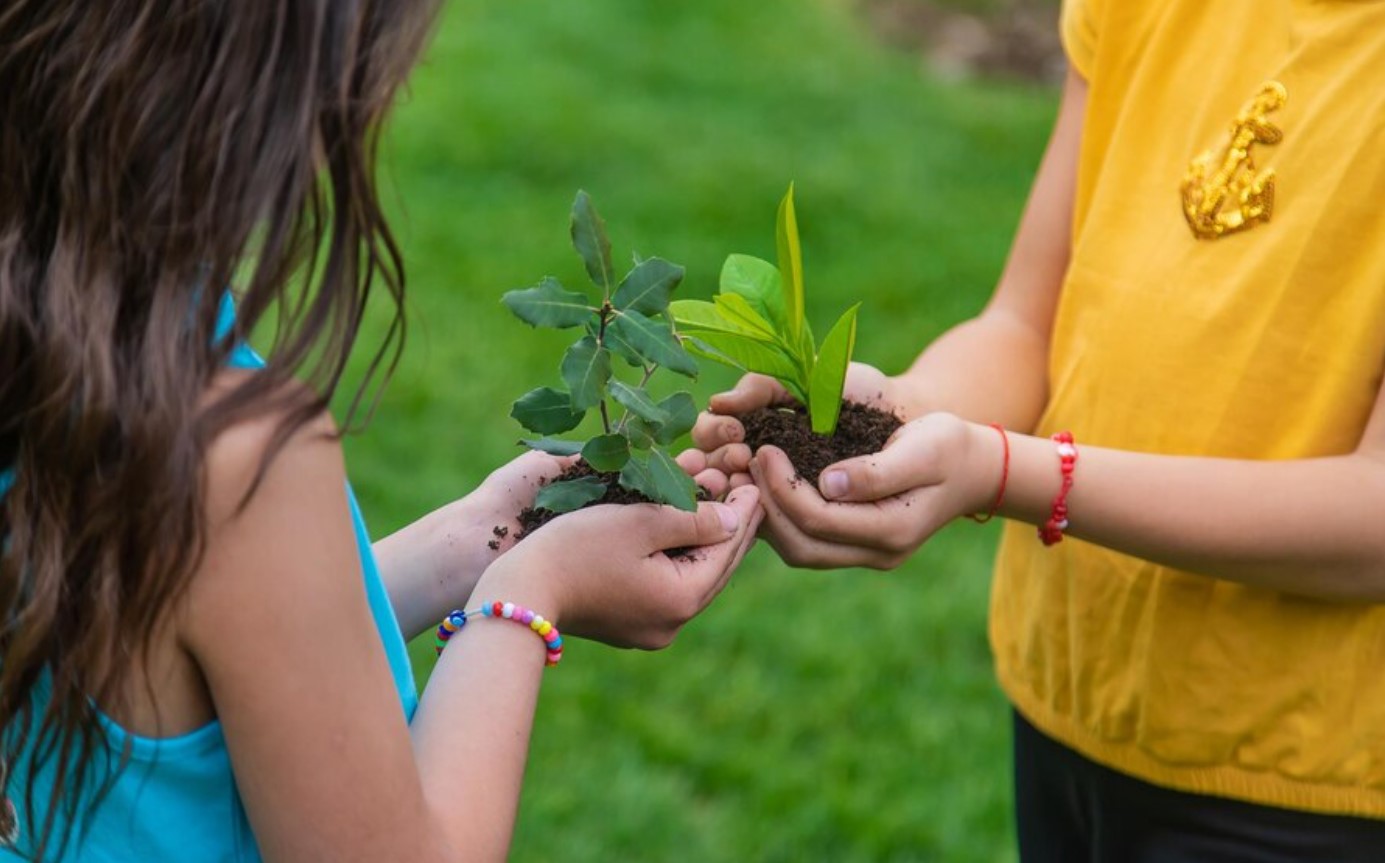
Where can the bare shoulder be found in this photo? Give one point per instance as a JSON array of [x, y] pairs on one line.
[[307, 460], [274, 527]]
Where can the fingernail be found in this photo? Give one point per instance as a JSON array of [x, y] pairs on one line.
[[729, 519], [835, 483]]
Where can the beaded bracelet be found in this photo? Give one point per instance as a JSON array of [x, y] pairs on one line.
[[453, 623], [1051, 532], [1004, 479]]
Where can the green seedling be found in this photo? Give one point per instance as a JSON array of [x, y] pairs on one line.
[[756, 323], [630, 323]]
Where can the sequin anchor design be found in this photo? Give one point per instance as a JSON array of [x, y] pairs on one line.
[[1222, 191]]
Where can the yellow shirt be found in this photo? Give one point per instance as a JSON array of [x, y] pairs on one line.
[[1213, 308]]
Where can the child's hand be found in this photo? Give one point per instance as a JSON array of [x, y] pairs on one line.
[[719, 434], [601, 572], [877, 509]]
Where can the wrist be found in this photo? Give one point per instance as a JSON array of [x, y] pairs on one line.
[[1035, 477], [994, 467], [502, 582]]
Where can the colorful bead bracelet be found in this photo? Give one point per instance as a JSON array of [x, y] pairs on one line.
[[453, 623]]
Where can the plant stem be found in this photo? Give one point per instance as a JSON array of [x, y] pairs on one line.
[[605, 313]]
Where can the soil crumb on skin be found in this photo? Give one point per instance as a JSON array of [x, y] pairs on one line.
[[533, 518], [861, 430], [500, 532]]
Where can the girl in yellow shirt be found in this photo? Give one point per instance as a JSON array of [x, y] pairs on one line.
[[1197, 295]]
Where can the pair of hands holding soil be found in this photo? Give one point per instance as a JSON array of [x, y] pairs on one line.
[[602, 573], [872, 510]]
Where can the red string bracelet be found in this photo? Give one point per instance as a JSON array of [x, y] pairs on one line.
[[1004, 479], [1051, 532]]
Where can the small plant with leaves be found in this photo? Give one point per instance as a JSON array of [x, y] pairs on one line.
[[757, 323], [627, 322]]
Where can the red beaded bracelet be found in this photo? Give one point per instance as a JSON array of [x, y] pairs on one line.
[[453, 623], [1051, 532], [1004, 479]]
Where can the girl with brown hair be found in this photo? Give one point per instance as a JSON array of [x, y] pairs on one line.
[[201, 654]]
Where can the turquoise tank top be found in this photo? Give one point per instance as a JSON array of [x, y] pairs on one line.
[[176, 800]]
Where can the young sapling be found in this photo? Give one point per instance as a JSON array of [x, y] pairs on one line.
[[757, 322], [628, 322]]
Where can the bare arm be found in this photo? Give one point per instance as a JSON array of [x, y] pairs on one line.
[[994, 367], [278, 622], [1309, 526]]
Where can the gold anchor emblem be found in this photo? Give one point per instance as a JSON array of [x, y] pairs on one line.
[[1222, 192]]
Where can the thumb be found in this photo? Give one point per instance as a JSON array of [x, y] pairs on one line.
[[665, 527], [750, 392], [901, 466]]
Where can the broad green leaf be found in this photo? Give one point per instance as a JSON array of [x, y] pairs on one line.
[[586, 368], [734, 307], [546, 411], [758, 282], [682, 414], [696, 315], [790, 264], [609, 452], [648, 287], [651, 339], [829, 374], [638, 402], [590, 240], [553, 446], [641, 433], [570, 495], [749, 355], [616, 345], [549, 304], [659, 478]]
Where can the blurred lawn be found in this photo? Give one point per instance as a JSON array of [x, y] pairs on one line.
[[846, 716]]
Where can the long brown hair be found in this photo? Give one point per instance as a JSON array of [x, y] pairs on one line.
[[153, 152]]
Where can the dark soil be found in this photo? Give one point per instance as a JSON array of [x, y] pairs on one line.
[[861, 430], [533, 518]]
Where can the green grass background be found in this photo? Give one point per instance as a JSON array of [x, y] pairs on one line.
[[847, 716]]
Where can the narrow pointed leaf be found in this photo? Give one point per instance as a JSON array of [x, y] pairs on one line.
[[651, 339], [609, 452], [790, 264], [546, 411], [553, 446], [638, 402], [659, 478], [736, 308], [807, 346], [570, 495], [682, 415], [748, 354], [590, 240], [549, 304], [829, 374], [758, 282], [586, 368], [696, 315], [648, 287]]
